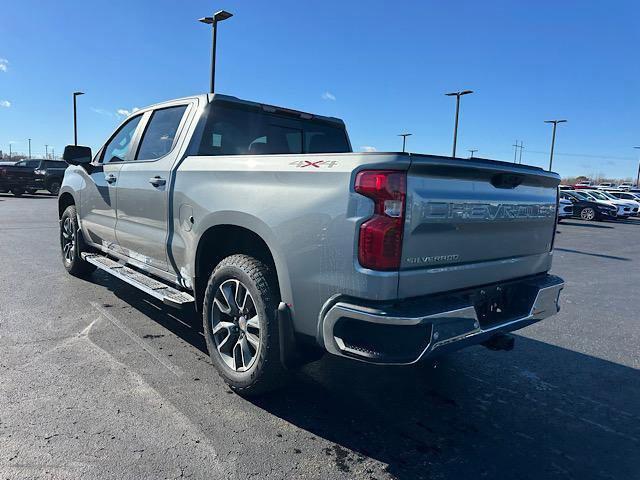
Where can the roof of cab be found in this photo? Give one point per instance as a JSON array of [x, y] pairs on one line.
[[218, 97]]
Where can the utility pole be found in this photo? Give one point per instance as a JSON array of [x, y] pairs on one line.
[[553, 138], [46, 150], [521, 148], [515, 151], [404, 140], [29, 149], [455, 128], [10, 151], [213, 21], [75, 118], [473, 150]]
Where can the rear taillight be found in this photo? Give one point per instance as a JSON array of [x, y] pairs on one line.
[[380, 240]]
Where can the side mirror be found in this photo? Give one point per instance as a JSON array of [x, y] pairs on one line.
[[77, 155]]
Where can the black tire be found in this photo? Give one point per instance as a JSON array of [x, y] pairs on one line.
[[17, 191], [54, 187], [71, 259], [31, 191], [265, 372]]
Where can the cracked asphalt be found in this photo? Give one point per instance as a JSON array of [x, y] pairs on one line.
[[100, 381]]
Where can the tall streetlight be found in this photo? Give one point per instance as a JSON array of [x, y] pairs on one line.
[[213, 21], [404, 140], [75, 118], [638, 177], [46, 151], [553, 138], [472, 151], [455, 128], [29, 149]]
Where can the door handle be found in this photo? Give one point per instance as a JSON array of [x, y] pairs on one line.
[[110, 178], [157, 181]]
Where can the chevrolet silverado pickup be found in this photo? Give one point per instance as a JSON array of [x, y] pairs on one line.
[[291, 245]]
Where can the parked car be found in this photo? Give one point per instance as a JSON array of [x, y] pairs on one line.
[[290, 245], [565, 209], [18, 178], [604, 186], [628, 196], [626, 186], [588, 208], [625, 207], [49, 174]]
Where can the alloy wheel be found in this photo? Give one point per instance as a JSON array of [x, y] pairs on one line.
[[68, 240], [235, 325], [587, 214]]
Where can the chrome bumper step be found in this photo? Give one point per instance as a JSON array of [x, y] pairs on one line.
[[169, 295]]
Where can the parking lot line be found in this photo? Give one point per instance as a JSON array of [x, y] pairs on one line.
[[177, 371]]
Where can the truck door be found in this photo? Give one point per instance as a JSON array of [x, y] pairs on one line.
[[98, 196], [143, 186]]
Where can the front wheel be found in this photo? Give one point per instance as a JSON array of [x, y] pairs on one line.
[[240, 325], [70, 244], [31, 191], [588, 214], [17, 191]]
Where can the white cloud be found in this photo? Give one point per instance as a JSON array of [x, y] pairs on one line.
[[5, 103], [102, 111], [125, 113], [329, 96], [368, 148], [4, 64]]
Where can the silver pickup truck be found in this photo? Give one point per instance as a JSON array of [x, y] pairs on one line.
[[291, 245]]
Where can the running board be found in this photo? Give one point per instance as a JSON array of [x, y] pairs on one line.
[[169, 295]]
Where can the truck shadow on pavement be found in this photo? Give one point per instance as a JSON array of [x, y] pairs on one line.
[[540, 411]]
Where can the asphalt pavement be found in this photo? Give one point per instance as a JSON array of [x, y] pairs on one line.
[[99, 381]]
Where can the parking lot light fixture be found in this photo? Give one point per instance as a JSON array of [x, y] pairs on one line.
[[75, 118], [213, 21], [472, 151], [553, 138], [455, 128], [404, 140]]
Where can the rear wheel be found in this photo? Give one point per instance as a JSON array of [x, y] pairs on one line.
[[240, 325], [71, 244], [588, 214], [31, 191], [54, 187], [17, 191]]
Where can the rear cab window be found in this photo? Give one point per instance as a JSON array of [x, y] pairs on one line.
[[230, 129]]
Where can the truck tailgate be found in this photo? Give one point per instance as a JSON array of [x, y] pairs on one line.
[[474, 222]]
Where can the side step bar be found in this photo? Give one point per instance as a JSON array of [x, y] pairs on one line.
[[169, 295]]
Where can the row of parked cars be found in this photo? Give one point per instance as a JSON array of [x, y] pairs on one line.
[[598, 204], [29, 176]]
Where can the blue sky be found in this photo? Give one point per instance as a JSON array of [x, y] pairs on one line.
[[381, 66]]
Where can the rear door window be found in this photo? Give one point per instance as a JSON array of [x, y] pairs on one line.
[[160, 134]]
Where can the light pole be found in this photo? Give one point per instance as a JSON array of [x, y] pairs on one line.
[[29, 149], [553, 138], [473, 150], [213, 21], [638, 177], [404, 140], [46, 151], [75, 118], [455, 128], [10, 151]]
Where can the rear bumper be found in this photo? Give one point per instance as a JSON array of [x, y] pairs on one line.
[[416, 329]]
